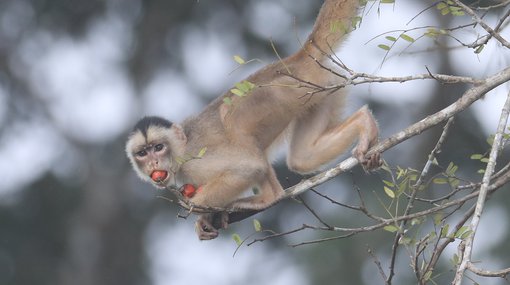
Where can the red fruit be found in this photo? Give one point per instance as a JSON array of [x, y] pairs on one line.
[[158, 175], [188, 190]]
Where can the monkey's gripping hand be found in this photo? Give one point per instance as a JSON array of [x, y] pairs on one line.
[[206, 226]]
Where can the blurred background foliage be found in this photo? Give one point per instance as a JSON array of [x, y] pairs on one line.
[[75, 76]]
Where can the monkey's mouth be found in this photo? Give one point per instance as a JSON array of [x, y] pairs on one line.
[[159, 176]]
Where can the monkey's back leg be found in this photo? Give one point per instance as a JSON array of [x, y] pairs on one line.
[[318, 137]]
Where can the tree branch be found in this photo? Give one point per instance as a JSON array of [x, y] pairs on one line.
[[491, 165], [352, 231]]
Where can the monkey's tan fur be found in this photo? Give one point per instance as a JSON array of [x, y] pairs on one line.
[[239, 134]]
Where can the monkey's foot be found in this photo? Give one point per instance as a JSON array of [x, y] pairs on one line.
[[372, 162], [205, 229], [207, 226]]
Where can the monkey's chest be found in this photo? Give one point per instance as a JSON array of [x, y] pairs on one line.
[[201, 171]]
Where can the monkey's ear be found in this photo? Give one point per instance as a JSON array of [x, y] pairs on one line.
[[178, 133]]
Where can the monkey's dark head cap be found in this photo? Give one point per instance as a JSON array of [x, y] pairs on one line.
[[148, 121]]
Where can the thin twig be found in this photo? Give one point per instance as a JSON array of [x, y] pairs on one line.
[[312, 211], [482, 23], [377, 263], [415, 188]]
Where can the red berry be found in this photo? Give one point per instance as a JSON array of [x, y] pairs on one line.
[[188, 190], [159, 175]]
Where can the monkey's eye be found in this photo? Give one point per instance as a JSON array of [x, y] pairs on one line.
[[158, 147], [141, 153]]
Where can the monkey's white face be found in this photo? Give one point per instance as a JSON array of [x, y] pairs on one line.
[[152, 154]]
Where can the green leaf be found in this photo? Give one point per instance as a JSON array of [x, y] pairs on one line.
[[440, 180], [180, 160], [485, 160], [454, 182], [405, 241], [227, 100], [438, 218], [451, 169], [401, 172], [490, 140], [257, 225], [390, 38], [445, 11], [456, 11], [413, 177], [237, 239], [237, 92], [337, 26], [202, 152], [245, 88], [427, 275], [388, 183], [239, 59], [384, 47], [481, 171], [416, 221], [462, 231], [249, 84], [432, 32], [466, 234], [444, 231], [479, 49], [391, 228], [389, 192], [402, 187], [355, 21], [441, 5], [476, 156], [455, 259], [407, 38], [387, 1]]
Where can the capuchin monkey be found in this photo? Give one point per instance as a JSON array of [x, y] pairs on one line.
[[233, 135]]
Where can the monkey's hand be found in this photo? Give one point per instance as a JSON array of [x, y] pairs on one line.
[[206, 226]]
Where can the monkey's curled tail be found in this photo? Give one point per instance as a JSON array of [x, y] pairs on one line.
[[335, 20]]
